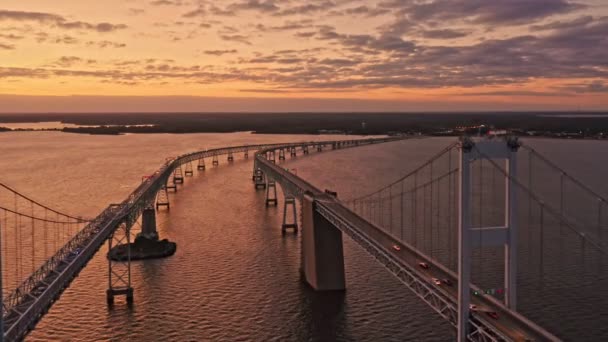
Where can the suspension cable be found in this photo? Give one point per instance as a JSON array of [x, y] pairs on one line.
[[547, 208]]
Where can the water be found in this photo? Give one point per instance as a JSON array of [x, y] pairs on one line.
[[234, 276]]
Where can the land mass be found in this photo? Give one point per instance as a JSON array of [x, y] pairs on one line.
[[564, 124]]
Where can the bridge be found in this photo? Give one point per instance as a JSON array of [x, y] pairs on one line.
[[431, 229]]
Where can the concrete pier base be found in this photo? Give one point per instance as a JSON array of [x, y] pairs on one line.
[[322, 254], [148, 224]]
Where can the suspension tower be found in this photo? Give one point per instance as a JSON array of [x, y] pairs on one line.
[[506, 236]]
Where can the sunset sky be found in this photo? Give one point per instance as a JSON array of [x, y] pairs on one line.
[[314, 55]]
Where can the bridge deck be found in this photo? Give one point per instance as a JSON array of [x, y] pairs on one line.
[[509, 326], [28, 303]]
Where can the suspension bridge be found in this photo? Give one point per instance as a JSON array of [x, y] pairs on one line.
[[455, 231]]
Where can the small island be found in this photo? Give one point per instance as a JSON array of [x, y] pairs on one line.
[[144, 247]]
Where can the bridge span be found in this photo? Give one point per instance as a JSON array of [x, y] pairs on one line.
[[375, 222], [325, 217], [23, 307]]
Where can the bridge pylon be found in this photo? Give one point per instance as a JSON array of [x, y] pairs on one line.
[[290, 202], [215, 161], [270, 156], [304, 149], [319, 148], [271, 193], [188, 171], [119, 271], [506, 235], [201, 164], [293, 152], [259, 179], [246, 154], [322, 263], [282, 154], [178, 175], [162, 198], [230, 156]]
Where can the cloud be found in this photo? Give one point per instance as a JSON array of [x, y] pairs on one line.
[[67, 61], [305, 34], [58, 21], [265, 6], [495, 12], [598, 87], [361, 42], [219, 52], [106, 43], [169, 3], [514, 93], [11, 36], [286, 26], [559, 25], [199, 12], [136, 11], [362, 10], [6, 46], [443, 34], [235, 38], [309, 8]]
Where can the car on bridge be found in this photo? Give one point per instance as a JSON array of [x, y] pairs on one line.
[[396, 247], [436, 281], [424, 265], [492, 314]]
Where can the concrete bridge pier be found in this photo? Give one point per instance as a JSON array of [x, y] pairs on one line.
[[162, 198], [271, 194], [259, 179], [215, 161], [148, 224], [290, 202], [322, 254], [188, 172], [201, 164], [282, 154], [292, 152]]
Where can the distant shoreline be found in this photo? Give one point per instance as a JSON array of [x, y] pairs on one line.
[[546, 124]]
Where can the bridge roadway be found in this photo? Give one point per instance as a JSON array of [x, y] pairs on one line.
[[404, 264], [28, 303]]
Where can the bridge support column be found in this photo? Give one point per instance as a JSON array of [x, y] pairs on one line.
[[305, 149], [292, 152], [230, 156], [246, 154], [178, 176], [270, 156], [319, 148], [259, 179], [464, 242], [322, 254], [201, 164], [290, 202], [188, 171], [162, 198], [271, 193], [282, 154], [215, 161], [148, 224], [503, 236], [119, 272]]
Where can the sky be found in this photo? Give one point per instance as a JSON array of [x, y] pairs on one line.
[[294, 55]]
